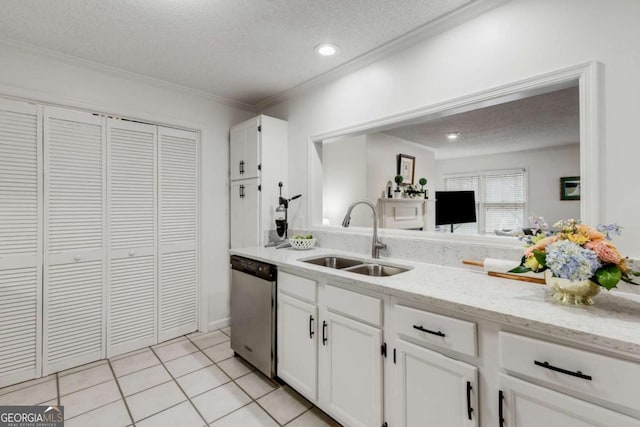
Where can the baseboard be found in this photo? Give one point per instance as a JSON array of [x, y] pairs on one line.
[[218, 324]]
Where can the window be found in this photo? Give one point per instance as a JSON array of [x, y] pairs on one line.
[[500, 199]]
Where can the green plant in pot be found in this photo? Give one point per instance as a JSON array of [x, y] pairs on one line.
[[397, 192], [423, 182]]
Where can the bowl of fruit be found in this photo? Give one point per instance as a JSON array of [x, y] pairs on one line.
[[302, 242]]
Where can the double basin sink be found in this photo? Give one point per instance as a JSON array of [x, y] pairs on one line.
[[357, 266]]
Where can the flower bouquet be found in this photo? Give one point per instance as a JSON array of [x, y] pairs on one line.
[[576, 253]]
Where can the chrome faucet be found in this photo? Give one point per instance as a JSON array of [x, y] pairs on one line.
[[376, 244]]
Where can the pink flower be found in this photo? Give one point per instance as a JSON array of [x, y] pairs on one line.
[[540, 246], [606, 251]]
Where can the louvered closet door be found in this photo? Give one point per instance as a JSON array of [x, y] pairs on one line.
[[178, 224], [74, 238], [20, 242], [131, 297]]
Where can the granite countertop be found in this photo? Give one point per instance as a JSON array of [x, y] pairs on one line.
[[613, 322]]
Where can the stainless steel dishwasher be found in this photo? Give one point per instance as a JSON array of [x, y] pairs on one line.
[[253, 320]]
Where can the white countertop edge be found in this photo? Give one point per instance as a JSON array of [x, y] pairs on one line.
[[489, 298]]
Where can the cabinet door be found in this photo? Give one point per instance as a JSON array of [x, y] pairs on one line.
[[298, 345], [20, 242], [74, 238], [131, 294], [432, 390], [245, 213], [244, 150], [178, 224], [526, 405], [350, 370]]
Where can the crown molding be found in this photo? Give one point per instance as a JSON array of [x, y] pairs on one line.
[[413, 37], [119, 72]]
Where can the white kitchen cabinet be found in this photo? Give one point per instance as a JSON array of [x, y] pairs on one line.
[[258, 158], [245, 213], [298, 345], [523, 404], [432, 390], [350, 370]]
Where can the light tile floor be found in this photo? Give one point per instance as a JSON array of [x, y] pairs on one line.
[[190, 381]]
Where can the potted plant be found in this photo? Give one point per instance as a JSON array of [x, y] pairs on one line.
[[577, 260], [423, 182], [397, 193]]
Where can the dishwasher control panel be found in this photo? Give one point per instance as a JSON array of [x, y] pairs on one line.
[[255, 268]]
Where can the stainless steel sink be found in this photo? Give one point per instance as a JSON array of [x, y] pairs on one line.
[[377, 270], [357, 266], [334, 262]]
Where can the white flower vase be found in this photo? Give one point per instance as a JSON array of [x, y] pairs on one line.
[[567, 292]]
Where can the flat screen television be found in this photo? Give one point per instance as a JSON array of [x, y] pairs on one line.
[[455, 207]]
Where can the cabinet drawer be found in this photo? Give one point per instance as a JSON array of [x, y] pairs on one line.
[[443, 331], [602, 377], [354, 305], [300, 287]]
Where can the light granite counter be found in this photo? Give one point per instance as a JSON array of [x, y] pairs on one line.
[[612, 323]]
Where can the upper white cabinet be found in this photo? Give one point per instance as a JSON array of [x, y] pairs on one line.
[[20, 241], [244, 151], [258, 159]]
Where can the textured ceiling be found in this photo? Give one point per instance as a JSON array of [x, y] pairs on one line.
[[547, 120], [244, 50]]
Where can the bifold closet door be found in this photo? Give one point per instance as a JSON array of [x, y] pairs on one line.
[[20, 242], [178, 225], [131, 293], [74, 238]]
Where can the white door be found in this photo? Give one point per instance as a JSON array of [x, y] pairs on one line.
[[526, 405], [298, 345], [74, 238], [178, 224], [245, 213], [20, 242], [432, 390], [350, 370], [245, 150], [131, 296]]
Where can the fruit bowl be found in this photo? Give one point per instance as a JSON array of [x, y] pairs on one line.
[[302, 243]]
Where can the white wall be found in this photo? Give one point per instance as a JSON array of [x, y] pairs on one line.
[[382, 150], [45, 78], [544, 169], [345, 180], [517, 40]]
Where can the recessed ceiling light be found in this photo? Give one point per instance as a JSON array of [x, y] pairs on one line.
[[326, 49], [453, 136]]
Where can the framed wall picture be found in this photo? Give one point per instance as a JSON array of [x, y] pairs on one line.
[[570, 188], [406, 168]]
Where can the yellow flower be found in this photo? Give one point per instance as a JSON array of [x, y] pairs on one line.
[[578, 238], [532, 263]]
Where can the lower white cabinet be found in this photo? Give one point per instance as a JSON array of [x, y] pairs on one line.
[[350, 369], [432, 390], [523, 404], [297, 345]]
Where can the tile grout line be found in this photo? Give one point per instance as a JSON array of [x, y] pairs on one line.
[[233, 380], [126, 405], [58, 389], [178, 384]]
